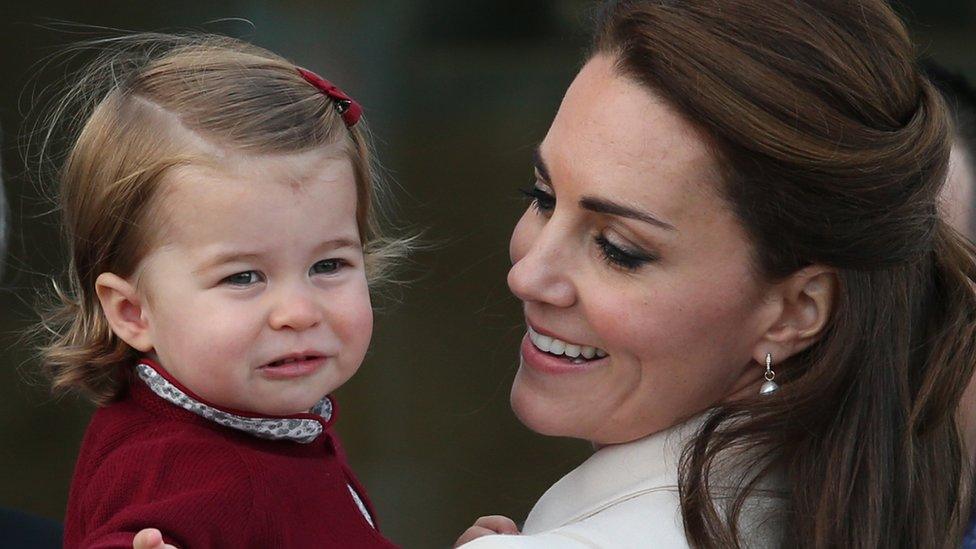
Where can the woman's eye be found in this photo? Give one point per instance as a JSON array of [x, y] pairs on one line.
[[540, 199], [326, 266], [245, 278], [630, 260]]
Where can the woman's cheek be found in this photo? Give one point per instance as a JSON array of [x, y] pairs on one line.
[[637, 325]]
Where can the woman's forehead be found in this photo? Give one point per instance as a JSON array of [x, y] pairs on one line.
[[613, 134]]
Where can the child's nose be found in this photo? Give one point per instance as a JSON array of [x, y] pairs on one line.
[[295, 309]]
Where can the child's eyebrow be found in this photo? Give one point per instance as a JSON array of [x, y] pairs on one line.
[[226, 257], [234, 256], [338, 243]]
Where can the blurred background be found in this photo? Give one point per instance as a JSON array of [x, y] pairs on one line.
[[457, 95]]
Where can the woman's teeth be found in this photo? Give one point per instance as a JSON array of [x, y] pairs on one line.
[[553, 346]]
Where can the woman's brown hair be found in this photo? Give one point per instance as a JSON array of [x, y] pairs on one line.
[[147, 104], [834, 148]]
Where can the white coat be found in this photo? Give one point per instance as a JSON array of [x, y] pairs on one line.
[[623, 496]]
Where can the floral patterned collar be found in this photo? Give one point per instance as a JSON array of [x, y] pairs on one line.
[[302, 428]]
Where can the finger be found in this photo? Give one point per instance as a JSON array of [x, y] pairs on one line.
[[150, 538], [498, 524], [471, 534]]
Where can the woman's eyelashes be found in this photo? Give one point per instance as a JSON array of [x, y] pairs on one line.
[[619, 256], [539, 199]]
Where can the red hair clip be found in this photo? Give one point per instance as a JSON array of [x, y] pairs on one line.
[[345, 105]]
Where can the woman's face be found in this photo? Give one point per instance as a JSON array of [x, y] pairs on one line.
[[629, 255]]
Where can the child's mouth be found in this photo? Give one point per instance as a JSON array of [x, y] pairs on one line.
[[291, 359], [293, 366]]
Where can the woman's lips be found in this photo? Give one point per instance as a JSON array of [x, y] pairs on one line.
[[292, 367], [547, 363]]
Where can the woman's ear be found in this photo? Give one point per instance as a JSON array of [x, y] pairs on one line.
[[123, 307], [807, 299]]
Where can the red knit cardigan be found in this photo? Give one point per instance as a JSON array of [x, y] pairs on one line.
[[147, 463]]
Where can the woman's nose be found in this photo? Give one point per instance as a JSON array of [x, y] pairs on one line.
[[541, 264], [295, 309]]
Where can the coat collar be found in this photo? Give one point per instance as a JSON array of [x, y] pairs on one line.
[[612, 474], [302, 428]]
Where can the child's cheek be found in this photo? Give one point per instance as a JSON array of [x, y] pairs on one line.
[[355, 321], [232, 330]]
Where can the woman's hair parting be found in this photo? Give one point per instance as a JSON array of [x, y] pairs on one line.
[[147, 104], [834, 148]]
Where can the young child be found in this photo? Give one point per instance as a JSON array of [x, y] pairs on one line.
[[217, 202]]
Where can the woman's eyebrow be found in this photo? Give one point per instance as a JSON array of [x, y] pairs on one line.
[[600, 205], [604, 206]]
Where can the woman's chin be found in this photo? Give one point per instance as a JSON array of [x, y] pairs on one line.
[[544, 414]]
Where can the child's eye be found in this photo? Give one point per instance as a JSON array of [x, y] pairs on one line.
[[630, 260], [326, 266], [540, 199], [245, 278]]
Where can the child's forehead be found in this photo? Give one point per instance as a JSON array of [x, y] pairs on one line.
[[216, 180], [271, 179], [255, 194], [292, 169]]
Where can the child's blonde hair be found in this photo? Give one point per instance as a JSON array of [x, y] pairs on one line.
[[151, 99]]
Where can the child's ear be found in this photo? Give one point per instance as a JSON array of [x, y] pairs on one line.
[[124, 310]]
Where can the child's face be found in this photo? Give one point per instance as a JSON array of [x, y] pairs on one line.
[[260, 262]]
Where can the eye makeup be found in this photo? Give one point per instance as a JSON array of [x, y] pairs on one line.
[[622, 256], [539, 199]]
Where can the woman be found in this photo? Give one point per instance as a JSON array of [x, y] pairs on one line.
[[737, 285]]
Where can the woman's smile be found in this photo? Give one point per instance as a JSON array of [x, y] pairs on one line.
[[549, 355], [578, 353]]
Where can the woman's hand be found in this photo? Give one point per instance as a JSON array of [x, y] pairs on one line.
[[150, 538], [486, 526]]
